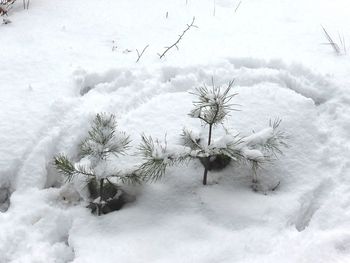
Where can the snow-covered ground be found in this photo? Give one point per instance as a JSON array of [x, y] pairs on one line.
[[61, 62]]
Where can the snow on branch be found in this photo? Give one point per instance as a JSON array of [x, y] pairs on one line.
[[156, 158], [212, 104], [103, 139], [269, 141]]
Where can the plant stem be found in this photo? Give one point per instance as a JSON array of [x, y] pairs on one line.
[[210, 131], [205, 175], [101, 198]]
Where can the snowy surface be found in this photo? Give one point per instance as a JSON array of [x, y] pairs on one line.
[[59, 68]]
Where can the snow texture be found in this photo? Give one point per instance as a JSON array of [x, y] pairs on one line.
[[64, 61]]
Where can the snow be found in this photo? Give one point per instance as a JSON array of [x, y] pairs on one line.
[[259, 137], [58, 69]]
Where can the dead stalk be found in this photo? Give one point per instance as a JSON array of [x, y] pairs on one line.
[[139, 55], [178, 40]]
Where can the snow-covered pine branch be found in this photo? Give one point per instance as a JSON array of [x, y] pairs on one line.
[[227, 145], [269, 141], [212, 104], [157, 157], [103, 139], [263, 147]]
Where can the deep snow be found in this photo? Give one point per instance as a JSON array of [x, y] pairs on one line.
[[58, 68]]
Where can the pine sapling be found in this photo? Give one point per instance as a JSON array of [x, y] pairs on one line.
[[212, 106], [95, 151]]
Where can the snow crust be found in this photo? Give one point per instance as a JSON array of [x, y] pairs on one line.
[[58, 69]]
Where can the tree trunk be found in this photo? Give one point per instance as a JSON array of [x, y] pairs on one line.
[[101, 198], [205, 175]]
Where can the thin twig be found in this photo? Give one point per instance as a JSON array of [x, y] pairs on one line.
[[3, 11], [331, 42], [139, 55], [214, 11], [342, 42], [178, 40], [239, 4]]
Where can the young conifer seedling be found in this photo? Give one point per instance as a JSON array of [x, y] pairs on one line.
[[95, 152], [212, 106]]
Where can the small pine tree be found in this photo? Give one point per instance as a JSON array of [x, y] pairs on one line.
[[212, 106], [95, 151]]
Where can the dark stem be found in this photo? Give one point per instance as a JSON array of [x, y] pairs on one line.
[[210, 131], [205, 175], [101, 198]]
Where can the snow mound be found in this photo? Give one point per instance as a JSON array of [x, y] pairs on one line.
[[156, 102]]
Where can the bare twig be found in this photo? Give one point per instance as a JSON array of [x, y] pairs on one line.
[[5, 6], [178, 40], [331, 42], [3, 11], [342, 42], [26, 4], [214, 11], [139, 55], [239, 4]]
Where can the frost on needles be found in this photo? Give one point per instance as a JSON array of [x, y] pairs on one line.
[[95, 151], [212, 106]]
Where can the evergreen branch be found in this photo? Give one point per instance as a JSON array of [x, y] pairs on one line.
[[66, 167], [153, 169], [213, 105], [103, 139], [268, 143], [275, 143], [231, 149], [191, 140], [157, 159], [129, 178]]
